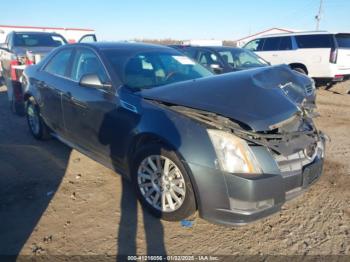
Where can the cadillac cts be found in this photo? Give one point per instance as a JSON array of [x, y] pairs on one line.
[[235, 146]]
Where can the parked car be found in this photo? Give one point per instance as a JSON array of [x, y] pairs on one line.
[[72, 35], [222, 59], [233, 146], [20, 50], [321, 55]]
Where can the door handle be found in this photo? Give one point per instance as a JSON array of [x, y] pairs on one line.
[[75, 101], [68, 95], [78, 103]]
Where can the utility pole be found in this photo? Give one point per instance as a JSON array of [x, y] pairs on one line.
[[318, 16]]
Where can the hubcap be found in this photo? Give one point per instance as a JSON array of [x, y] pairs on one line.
[[161, 183], [33, 119]]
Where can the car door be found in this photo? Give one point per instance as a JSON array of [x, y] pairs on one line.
[[286, 53], [51, 85], [88, 38], [270, 50], [84, 108]]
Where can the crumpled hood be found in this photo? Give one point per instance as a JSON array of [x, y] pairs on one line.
[[253, 97]]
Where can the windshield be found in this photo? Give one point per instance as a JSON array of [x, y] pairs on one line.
[[152, 69], [240, 59], [35, 40], [343, 40]]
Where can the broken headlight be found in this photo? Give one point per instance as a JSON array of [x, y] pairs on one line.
[[233, 153]]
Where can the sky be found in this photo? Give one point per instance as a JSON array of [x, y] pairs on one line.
[[180, 19]]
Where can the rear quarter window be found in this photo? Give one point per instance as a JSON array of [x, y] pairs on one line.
[[343, 40], [315, 41]]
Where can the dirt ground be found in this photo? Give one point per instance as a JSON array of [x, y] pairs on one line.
[[56, 201]]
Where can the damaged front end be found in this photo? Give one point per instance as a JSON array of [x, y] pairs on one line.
[[294, 146], [284, 138], [260, 125]]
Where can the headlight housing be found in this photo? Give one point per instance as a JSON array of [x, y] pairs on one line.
[[234, 154]]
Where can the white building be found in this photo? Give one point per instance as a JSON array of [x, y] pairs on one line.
[[242, 41], [71, 34]]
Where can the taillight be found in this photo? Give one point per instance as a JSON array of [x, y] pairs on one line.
[[13, 65], [18, 63], [338, 78], [333, 56]]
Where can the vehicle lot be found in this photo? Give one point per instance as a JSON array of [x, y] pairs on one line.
[[56, 201]]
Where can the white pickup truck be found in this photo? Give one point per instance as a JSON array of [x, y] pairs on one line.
[[20, 50]]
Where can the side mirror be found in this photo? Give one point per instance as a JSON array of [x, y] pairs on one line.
[[216, 68], [92, 80]]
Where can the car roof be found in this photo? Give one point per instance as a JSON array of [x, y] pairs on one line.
[[130, 46], [222, 48], [35, 32], [301, 33], [215, 48]]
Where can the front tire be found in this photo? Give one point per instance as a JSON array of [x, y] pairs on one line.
[[37, 126], [162, 183]]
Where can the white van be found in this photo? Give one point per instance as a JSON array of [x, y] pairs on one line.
[[321, 55]]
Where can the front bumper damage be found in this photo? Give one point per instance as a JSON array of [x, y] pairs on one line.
[[291, 155], [249, 198]]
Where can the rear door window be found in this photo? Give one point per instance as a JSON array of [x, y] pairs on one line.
[[314, 41], [285, 43], [58, 65], [272, 44], [343, 40]]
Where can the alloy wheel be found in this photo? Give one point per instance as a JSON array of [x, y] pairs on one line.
[[161, 183], [33, 119]]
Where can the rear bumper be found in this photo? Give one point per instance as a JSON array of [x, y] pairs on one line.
[[331, 73], [340, 74], [247, 199]]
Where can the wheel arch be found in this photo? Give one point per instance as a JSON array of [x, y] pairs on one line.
[[144, 139], [299, 65], [26, 96]]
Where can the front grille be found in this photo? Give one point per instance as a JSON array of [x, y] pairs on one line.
[[309, 89], [293, 164]]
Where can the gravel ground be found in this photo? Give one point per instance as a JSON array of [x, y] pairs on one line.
[[56, 201]]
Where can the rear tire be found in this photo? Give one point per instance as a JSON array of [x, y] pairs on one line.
[[37, 126], [168, 180]]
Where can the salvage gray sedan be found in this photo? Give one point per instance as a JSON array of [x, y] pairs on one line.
[[234, 146]]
